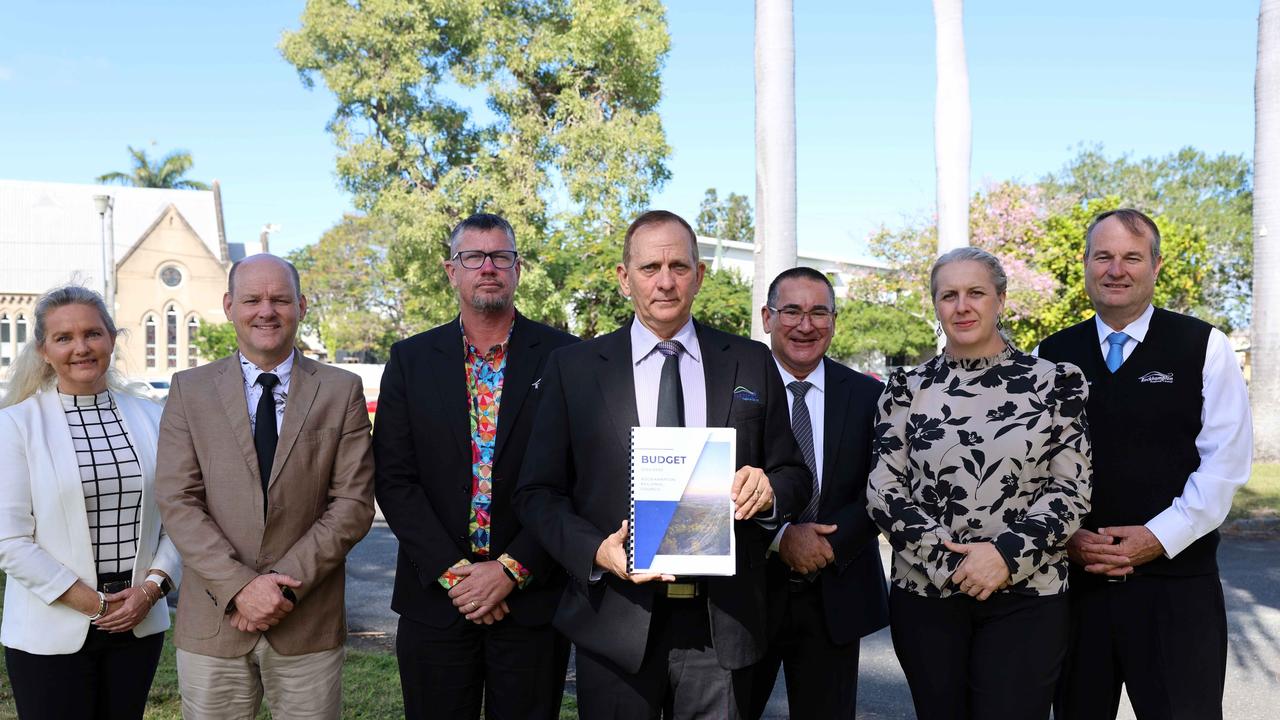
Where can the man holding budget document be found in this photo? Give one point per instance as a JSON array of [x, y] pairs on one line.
[[648, 642]]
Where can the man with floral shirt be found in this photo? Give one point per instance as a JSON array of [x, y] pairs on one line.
[[475, 591]]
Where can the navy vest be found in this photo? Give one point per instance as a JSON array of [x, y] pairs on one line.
[[1143, 422]]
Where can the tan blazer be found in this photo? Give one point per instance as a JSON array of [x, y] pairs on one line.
[[320, 502]]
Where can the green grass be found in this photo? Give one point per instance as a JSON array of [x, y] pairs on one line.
[[1260, 497]]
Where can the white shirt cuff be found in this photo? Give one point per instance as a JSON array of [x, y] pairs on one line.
[[1172, 531], [777, 539]]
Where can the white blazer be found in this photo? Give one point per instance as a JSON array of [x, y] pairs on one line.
[[44, 528]]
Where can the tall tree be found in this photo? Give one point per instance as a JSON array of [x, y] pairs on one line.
[[167, 172], [1264, 392], [775, 148], [952, 126], [449, 107], [356, 303], [728, 219]]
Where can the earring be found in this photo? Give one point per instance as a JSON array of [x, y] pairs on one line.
[[1000, 326], [937, 329]]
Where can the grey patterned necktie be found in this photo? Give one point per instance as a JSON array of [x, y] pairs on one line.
[[802, 426], [670, 393]]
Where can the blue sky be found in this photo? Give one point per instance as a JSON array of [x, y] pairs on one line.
[[81, 80]]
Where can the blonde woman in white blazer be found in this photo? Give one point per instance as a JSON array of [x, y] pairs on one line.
[[88, 564]]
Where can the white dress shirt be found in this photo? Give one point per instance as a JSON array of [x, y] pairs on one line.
[[253, 391], [815, 401], [1225, 441], [647, 372]]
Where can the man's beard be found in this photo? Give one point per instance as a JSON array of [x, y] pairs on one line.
[[490, 302]]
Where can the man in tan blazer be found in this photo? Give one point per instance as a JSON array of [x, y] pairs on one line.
[[263, 513]]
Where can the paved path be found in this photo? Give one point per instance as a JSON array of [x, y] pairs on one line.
[[1251, 580]]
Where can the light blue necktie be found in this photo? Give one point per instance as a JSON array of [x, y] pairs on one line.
[[1115, 354]]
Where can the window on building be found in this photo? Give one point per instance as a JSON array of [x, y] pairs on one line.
[[21, 333], [193, 326], [6, 348], [171, 337], [150, 325]]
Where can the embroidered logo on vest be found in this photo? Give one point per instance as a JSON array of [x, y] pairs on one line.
[[1155, 376]]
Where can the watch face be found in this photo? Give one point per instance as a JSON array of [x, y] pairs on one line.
[[171, 276]]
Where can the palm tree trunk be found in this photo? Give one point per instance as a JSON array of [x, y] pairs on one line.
[[775, 249], [952, 131], [1264, 390]]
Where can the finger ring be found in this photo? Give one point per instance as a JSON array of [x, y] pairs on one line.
[[473, 604]]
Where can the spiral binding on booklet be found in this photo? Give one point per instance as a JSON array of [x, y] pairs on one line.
[[631, 512]]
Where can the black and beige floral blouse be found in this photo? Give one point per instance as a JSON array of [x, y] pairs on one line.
[[988, 449]]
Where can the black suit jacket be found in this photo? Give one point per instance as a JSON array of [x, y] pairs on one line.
[[422, 445], [574, 489], [854, 594]]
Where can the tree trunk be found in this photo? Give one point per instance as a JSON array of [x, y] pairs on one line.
[[952, 132], [1264, 384], [775, 249]]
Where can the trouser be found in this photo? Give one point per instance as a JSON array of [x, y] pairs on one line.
[[108, 678], [998, 659], [680, 677], [822, 677], [1163, 638], [296, 686], [518, 672]]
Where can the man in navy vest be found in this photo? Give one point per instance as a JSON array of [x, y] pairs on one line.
[[1172, 442]]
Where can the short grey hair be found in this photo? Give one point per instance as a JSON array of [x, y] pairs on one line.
[[480, 222], [972, 254], [1135, 221], [293, 273]]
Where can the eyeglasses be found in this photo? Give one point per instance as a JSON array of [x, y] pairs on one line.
[[790, 316], [474, 259]]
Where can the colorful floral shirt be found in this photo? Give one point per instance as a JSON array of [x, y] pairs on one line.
[[484, 391]]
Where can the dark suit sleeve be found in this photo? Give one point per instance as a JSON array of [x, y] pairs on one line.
[[544, 493], [401, 498], [854, 527], [783, 462]]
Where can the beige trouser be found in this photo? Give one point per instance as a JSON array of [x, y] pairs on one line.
[[296, 686]]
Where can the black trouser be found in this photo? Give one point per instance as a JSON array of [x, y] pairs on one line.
[[446, 672], [822, 677], [998, 659], [1163, 638], [106, 679], [679, 677]]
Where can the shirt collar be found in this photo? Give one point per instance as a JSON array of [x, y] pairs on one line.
[[817, 378], [251, 371], [1136, 329], [644, 342], [483, 352]]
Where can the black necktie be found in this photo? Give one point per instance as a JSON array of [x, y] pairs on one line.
[[264, 431], [802, 426], [670, 394]]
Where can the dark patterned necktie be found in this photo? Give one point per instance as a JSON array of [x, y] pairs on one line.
[[670, 393], [802, 427], [265, 433]]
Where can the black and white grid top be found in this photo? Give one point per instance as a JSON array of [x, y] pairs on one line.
[[110, 475]]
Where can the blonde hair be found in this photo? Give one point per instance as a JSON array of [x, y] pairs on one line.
[[31, 374]]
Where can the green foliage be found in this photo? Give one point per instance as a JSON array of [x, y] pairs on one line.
[[728, 219], [355, 302], [543, 112], [867, 329], [724, 302], [214, 340], [167, 172], [1210, 198]]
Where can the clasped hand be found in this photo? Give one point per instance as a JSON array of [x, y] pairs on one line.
[[983, 570], [805, 548], [125, 609], [1114, 551], [261, 605], [481, 594]]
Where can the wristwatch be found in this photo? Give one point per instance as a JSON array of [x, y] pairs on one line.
[[161, 582]]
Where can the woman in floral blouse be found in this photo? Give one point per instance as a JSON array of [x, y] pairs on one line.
[[982, 474]]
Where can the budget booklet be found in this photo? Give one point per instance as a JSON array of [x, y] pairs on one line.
[[681, 511]]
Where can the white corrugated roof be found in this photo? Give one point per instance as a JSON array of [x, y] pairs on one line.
[[50, 232]]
